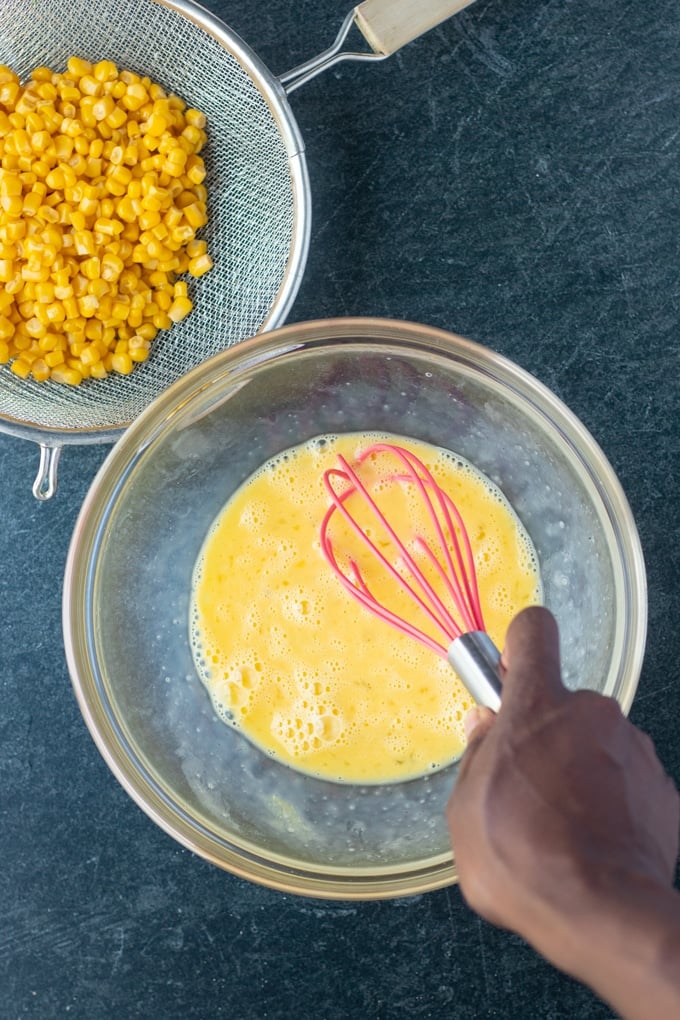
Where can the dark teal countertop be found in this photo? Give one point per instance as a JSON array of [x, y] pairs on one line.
[[513, 176]]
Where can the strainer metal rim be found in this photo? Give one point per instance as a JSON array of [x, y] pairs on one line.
[[275, 97]]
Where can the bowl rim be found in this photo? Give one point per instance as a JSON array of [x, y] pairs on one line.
[[99, 504]]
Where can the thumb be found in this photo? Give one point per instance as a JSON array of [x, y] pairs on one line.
[[530, 663]]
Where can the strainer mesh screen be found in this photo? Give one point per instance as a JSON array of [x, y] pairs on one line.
[[251, 201]]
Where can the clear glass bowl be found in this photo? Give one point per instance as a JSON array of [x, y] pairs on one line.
[[141, 527]]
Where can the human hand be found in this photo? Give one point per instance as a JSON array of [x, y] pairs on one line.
[[562, 819]]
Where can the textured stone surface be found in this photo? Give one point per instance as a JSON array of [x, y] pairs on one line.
[[512, 176]]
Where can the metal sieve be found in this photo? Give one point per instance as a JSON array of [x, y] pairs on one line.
[[258, 187]]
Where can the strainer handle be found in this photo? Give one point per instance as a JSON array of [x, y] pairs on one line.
[[45, 484], [387, 25]]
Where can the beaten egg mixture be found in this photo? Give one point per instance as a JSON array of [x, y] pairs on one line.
[[296, 665]]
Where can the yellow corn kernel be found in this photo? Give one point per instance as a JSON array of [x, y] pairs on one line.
[[81, 145], [135, 97], [89, 85], [56, 179], [67, 375], [12, 205], [9, 92], [83, 241], [44, 292], [77, 219], [147, 331], [94, 167], [121, 363], [6, 328], [19, 366], [180, 308], [35, 328], [148, 219], [108, 227], [4, 352], [116, 118], [73, 128], [87, 305], [195, 117], [37, 273], [21, 341], [176, 154], [48, 343], [31, 203], [89, 203], [105, 70], [77, 67], [90, 354], [41, 73], [139, 354], [40, 370], [98, 370], [195, 169], [70, 307], [14, 285], [54, 358], [40, 141], [55, 312], [98, 287], [163, 300], [61, 277], [48, 214], [159, 231], [103, 108], [16, 120], [162, 320], [32, 120], [63, 147], [181, 235], [195, 215], [22, 142], [200, 265]]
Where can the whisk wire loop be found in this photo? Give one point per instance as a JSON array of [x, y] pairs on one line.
[[456, 572], [467, 601], [441, 618]]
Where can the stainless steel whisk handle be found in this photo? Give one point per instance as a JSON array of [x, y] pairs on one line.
[[476, 660]]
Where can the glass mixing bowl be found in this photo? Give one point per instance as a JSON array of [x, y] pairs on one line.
[[142, 525]]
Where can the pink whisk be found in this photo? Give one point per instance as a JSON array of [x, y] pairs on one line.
[[453, 608]]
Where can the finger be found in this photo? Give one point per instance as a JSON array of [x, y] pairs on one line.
[[530, 663], [478, 722]]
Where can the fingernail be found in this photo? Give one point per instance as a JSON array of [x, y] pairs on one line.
[[472, 720]]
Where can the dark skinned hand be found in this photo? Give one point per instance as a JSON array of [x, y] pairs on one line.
[[565, 829]]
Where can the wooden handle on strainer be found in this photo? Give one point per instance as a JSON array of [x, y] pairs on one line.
[[387, 25]]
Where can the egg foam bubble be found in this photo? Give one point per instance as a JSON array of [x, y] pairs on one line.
[[291, 660]]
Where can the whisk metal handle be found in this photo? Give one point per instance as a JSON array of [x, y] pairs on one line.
[[476, 660]]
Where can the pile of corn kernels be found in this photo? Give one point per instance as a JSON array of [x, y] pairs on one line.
[[101, 198]]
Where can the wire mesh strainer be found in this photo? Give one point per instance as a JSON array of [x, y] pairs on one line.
[[258, 188]]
